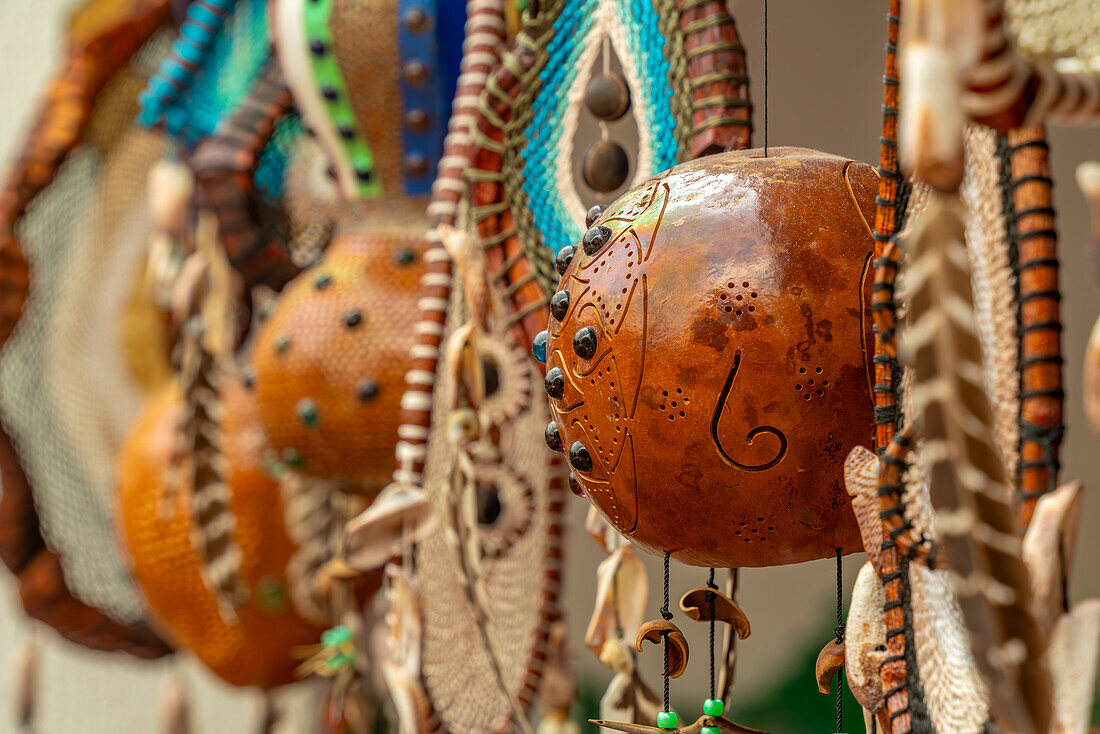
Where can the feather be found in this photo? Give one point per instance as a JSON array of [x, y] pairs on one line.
[[968, 485], [206, 345]]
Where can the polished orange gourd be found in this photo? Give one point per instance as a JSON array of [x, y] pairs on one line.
[[707, 362], [157, 534]]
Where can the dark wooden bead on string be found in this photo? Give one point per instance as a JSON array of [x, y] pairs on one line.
[[607, 97], [606, 166]]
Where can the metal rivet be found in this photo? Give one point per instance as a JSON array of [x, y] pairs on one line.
[[553, 436], [416, 164], [554, 383], [592, 215], [323, 281], [347, 132], [416, 72], [366, 389], [579, 458], [317, 47], [584, 342], [575, 486], [353, 318], [307, 413], [564, 257], [364, 175], [595, 238], [329, 92], [416, 20], [559, 304], [418, 120], [291, 457]]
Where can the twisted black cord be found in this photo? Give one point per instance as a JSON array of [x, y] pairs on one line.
[[711, 588], [667, 615], [839, 633]]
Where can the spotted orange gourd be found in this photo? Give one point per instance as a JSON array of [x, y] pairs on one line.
[[256, 650]]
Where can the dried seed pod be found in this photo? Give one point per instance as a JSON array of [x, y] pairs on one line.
[[829, 661], [698, 607], [653, 631]]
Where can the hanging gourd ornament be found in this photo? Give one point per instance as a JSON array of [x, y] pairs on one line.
[[707, 360], [329, 363], [156, 530]]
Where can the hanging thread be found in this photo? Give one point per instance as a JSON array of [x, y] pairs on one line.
[[765, 78], [838, 632], [666, 615], [712, 587]]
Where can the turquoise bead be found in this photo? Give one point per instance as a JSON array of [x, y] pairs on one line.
[[666, 720], [538, 347], [713, 707]]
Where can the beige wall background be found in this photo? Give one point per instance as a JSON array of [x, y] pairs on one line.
[[824, 90]]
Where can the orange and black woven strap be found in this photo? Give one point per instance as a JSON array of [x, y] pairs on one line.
[[1026, 186]]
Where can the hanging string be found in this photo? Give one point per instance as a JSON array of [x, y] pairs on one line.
[[666, 615], [839, 633], [765, 78], [713, 587]]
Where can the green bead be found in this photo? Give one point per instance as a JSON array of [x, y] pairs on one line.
[[292, 458], [336, 636], [713, 707], [666, 720], [710, 730], [271, 594]]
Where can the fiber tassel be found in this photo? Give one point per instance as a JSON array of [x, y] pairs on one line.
[[175, 715], [26, 684]]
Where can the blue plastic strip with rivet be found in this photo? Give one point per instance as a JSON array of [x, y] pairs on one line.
[[421, 44]]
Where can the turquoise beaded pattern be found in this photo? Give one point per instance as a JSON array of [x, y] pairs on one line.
[[334, 92], [571, 31], [159, 101]]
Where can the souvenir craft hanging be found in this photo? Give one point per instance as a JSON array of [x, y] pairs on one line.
[[265, 324], [73, 235]]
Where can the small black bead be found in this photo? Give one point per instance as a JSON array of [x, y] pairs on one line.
[[554, 382], [317, 47], [592, 215], [322, 282], [248, 377], [564, 257], [329, 92], [575, 486], [553, 437], [347, 132], [584, 342], [595, 238], [366, 389], [559, 304], [404, 256], [363, 175], [353, 318], [579, 457]]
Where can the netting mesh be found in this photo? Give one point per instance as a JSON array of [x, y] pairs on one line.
[[69, 386], [517, 552]]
